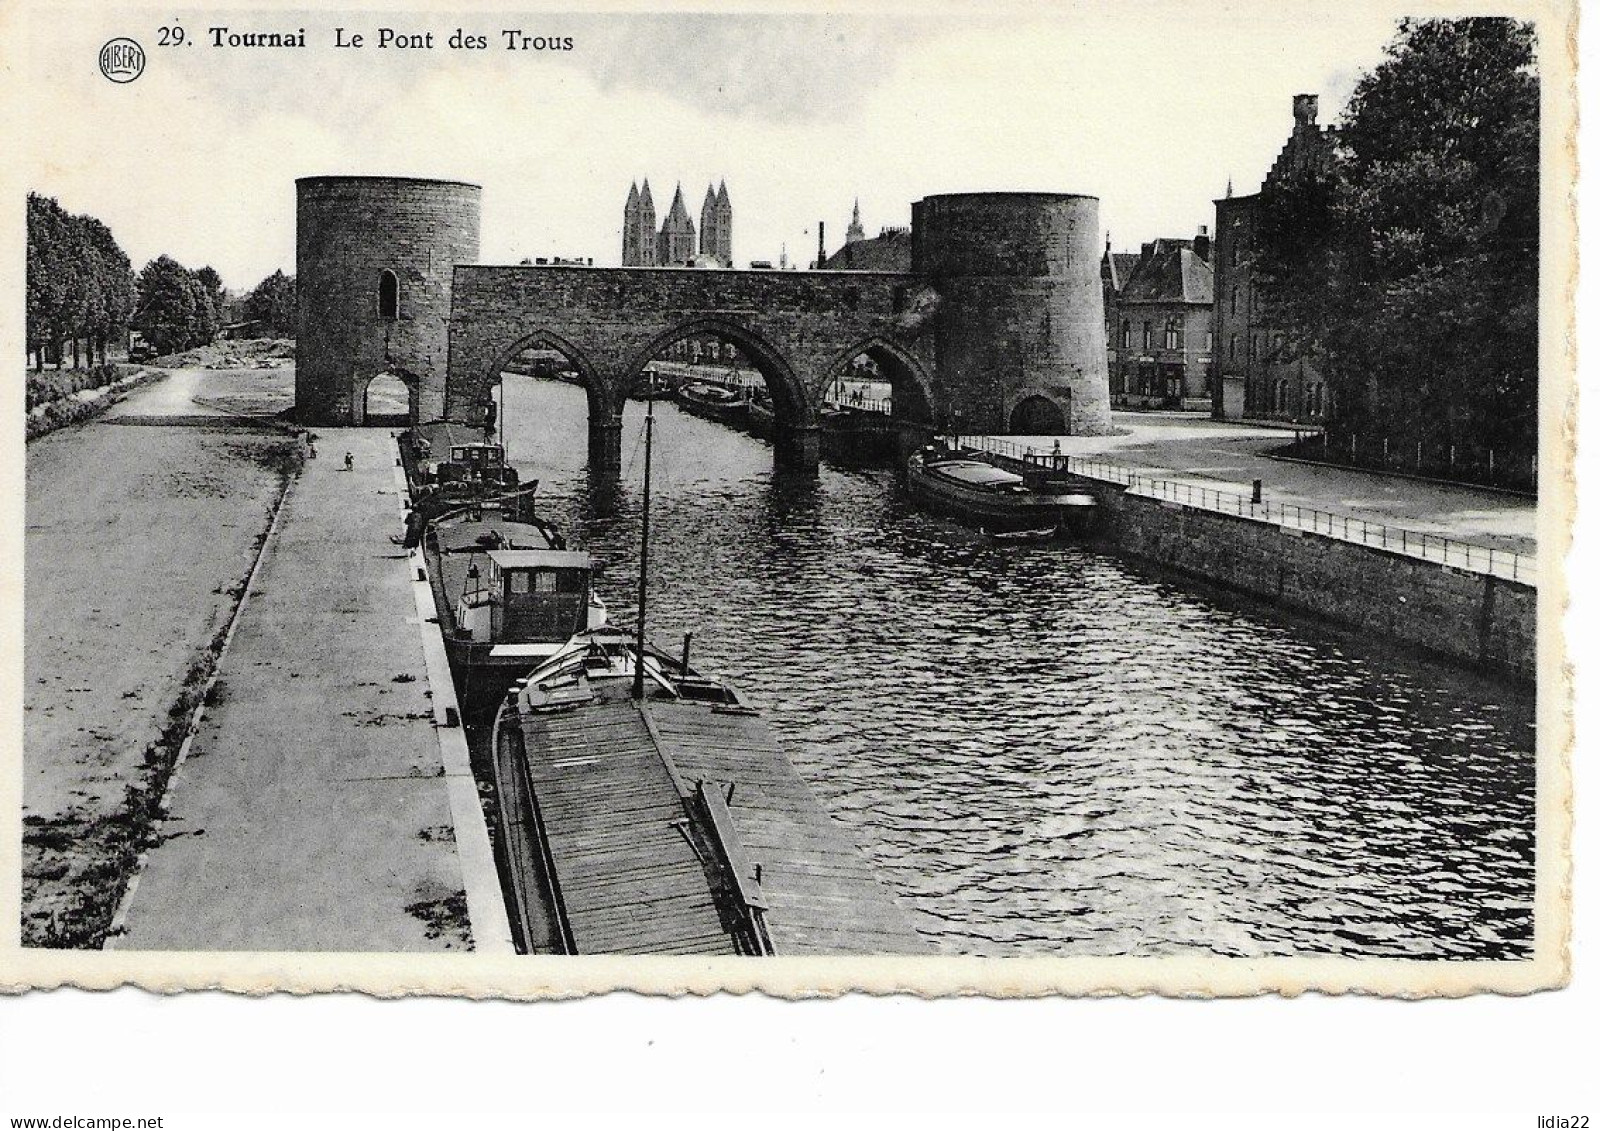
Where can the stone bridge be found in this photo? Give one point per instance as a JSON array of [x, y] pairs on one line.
[[800, 330], [998, 326]]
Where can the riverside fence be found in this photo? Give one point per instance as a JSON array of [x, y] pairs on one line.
[[1508, 564]]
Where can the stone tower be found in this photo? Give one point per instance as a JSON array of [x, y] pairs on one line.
[[1019, 328], [854, 233], [708, 224], [639, 228], [374, 262], [630, 227], [716, 225], [724, 244], [675, 244]]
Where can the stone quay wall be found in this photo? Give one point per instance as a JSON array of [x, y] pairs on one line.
[[349, 231], [1472, 618]]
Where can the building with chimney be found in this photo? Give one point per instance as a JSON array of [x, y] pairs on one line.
[[1261, 374], [1159, 340], [889, 250]]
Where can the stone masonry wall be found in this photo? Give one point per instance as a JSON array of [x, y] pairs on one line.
[[1020, 308], [800, 328], [349, 230], [1479, 620]]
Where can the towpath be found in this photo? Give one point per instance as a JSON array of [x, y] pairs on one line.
[[318, 805]]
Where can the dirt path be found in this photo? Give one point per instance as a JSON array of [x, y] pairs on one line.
[[137, 541]]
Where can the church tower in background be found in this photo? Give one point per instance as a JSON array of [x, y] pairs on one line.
[[854, 233], [675, 244], [639, 228], [716, 225]]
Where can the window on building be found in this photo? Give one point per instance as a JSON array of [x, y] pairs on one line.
[[1172, 337], [388, 295], [1233, 347], [1210, 339], [1127, 333], [1147, 335]]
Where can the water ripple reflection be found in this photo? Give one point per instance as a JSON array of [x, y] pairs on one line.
[[1049, 750]]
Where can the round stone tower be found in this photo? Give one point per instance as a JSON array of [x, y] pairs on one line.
[[1020, 326], [374, 260]]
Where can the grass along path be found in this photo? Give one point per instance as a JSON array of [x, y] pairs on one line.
[[138, 544]]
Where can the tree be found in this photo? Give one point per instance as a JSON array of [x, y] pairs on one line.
[[211, 282], [167, 315], [112, 303], [207, 314], [273, 303], [1410, 266], [79, 282]]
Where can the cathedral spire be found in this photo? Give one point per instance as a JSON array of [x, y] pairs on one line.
[[854, 233]]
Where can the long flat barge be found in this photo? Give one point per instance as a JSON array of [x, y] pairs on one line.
[[672, 822], [639, 807]]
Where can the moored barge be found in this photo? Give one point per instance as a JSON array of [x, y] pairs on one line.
[[960, 483]]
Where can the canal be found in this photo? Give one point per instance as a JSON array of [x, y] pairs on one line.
[[1051, 750]]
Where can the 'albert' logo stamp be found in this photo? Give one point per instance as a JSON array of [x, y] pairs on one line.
[[122, 60]]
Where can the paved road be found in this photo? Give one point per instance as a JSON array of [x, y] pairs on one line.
[[1229, 457]]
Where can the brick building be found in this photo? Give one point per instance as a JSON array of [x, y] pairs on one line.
[[889, 250], [1260, 373], [1158, 325]]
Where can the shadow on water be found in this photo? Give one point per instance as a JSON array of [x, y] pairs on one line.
[[1045, 749]]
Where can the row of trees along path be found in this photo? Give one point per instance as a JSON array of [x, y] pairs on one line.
[[81, 290]]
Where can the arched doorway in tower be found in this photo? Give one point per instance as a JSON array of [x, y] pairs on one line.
[[1039, 416], [386, 402]]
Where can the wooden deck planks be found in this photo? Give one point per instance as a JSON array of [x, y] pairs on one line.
[[630, 881], [823, 894]]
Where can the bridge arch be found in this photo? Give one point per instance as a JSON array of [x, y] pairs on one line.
[[792, 404], [913, 397], [604, 401]]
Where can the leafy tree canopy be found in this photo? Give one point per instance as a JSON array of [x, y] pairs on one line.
[[1409, 265]]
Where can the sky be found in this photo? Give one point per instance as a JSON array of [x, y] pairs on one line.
[[1150, 108]]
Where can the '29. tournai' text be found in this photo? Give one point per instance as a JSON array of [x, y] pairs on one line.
[[381, 38]]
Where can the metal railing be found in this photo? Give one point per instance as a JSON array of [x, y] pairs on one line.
[[885, 407], [1509, 564]]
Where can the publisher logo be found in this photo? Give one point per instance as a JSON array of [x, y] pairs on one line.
[[122, 60]]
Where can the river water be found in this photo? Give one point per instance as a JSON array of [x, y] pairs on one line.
[[1049, 750]]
